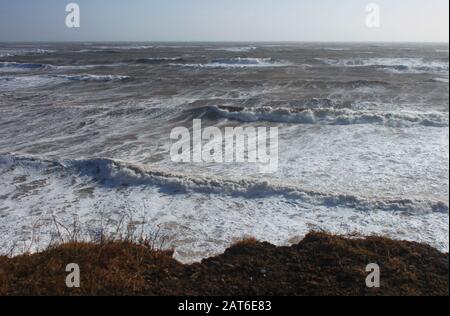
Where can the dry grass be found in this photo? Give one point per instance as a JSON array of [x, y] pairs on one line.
[[247, 241], [321, 264], [110, 267]]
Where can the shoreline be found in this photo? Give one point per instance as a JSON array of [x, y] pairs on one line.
[[321, 264]]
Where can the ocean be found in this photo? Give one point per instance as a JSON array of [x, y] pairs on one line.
[[363, 143]]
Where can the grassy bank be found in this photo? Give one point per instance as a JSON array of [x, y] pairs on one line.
[[321, 264]]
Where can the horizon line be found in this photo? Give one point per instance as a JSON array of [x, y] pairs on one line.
[[228, 41]]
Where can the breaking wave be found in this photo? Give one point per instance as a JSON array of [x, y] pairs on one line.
[[398, 65], [23, 52], [116, 173], [23, 66], [88, 66], [336, 49], [157, 60], [245, 49], [330, 116], [238, 63], [12, 83], [130, 47], [331, 84], [93, 78], [14, 66]]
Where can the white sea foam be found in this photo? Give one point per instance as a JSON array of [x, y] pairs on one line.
[[23, 52], [238, 63], [22, 67], [124, 47], [244, 49], [336, 49], [117, 173], [397, 65], [332, 116], [14, 83], [84, 67], [92, 190], [93, 78], [151, 60]]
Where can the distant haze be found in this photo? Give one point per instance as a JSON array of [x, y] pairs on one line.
[[225, 20]]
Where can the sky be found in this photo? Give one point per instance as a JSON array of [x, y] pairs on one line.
[[225, 20]]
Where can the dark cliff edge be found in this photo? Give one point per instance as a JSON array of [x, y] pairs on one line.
[[321, 264]]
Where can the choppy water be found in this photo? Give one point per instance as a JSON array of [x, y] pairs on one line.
[[364, 141]]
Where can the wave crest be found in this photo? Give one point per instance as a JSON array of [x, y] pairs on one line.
[[93, 78], [398, 65], [238, 63], [158, 60], [24, 52], [330, 116], [117, 173], [23, 66]]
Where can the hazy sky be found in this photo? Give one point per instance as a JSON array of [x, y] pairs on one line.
[[224, 20]]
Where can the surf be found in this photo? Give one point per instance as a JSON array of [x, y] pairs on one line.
[[116, 173], [328, 116]]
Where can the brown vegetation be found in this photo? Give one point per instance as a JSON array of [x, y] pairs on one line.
[[321, 264]]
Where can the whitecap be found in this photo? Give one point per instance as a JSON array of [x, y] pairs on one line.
[[396, 65], [238, 63], [332, 116]]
